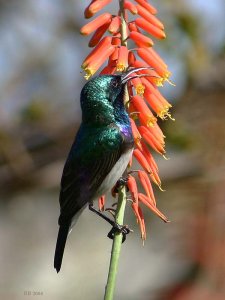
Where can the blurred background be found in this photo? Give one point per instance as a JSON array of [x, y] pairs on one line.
[[40, 82]]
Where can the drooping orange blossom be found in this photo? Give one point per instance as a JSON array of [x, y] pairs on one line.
[[146, 103]]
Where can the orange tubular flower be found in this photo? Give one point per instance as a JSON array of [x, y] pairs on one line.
[[136, 134], [151, 29], [98, 34], [93, 66], [148, 85], [141, 39], [116, 39], [157, 57], [146, 103], [142, 160], [131, 58], [140, 219], [149, 17], [139, 87], [147, 6], [157, 132], [114, 25], [157, 145], [115, 55], [164, 102], [101, 203], [95, 24], [132, 186], [132, 27], [122, 59], [148, 58], [145, 114], [108, 70], [94, 7], [87, 13], [144, 179], [155, 104], [131, 7], [103, 44], [144, 199], [151, 162]]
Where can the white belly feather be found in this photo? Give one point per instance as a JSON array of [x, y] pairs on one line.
[[116, 172]]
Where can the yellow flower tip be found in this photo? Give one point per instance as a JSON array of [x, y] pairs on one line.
[[120, 68], [140, 89], [87, 76], [163, 114], [151, 121], [89, 73], [166, 75], [134, 115], [159, 81]]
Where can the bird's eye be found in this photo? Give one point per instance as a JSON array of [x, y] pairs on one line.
[[114, 83]]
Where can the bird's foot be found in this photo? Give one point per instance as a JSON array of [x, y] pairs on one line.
[[124, 229], [116, 228], [122, 181]]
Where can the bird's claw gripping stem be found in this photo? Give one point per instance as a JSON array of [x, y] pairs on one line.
[[116, 228], [119, 229]]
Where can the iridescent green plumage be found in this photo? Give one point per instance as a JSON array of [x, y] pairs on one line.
[[99, 154]]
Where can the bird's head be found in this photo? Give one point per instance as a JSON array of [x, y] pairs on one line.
[[102, 94]]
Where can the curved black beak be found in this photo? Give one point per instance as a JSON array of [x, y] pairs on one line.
[[126, 76]]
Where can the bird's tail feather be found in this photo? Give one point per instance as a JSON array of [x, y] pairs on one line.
[[60, 245]]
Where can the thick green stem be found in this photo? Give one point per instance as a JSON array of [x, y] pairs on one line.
[[116, 247]]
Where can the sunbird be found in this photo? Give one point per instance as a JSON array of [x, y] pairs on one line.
[[99, 154]]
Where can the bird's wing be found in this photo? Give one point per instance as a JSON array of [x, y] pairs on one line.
[[92, 156]]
